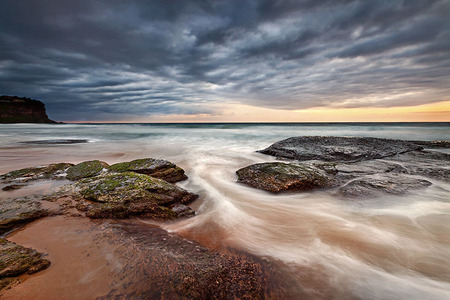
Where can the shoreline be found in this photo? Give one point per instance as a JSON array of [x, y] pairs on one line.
[[362, 218]]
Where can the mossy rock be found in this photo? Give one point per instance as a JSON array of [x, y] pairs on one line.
[[16, 260], [278, 177], [157, 168], [86, 169], [129, 194], [51, 171]]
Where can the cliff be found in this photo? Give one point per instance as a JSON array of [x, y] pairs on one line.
[[22, 110]]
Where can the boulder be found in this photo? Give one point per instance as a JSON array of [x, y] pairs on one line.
[[16, 260], [129, 194], [51, 171], [338, 149], [278, 177], [86, 169], [157, 168], [375, 185]]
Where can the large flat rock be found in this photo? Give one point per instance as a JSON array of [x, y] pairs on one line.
[[338, 149]]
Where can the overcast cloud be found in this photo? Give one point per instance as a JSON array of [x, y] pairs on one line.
[[113, 60]]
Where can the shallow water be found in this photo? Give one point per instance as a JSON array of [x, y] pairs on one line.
[[387, 248]]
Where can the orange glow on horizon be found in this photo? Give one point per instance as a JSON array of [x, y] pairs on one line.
[[435, 112]]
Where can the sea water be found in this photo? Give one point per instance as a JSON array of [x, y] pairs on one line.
[[393, 247]]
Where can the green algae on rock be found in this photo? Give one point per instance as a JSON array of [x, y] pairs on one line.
[[86, 169], [51, 171], [129, 194], [16, 260], [277, 177], [154, 167]]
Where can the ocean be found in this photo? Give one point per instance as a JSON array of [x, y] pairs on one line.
[[393, 247]]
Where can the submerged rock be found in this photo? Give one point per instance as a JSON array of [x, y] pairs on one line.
[[16, 260], [12, 187], [157, 168], [277, 177], [343, 149], [18, 212], [86, 169], [56, 142], [130, 194], [51, 171], [374, 185], [182, 269]]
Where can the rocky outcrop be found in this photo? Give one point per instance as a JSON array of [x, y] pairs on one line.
[[338, 149], [22, 110], [86, 169], [130, 194], [157, 168], [16, 260], [277, 177], [356, 167]]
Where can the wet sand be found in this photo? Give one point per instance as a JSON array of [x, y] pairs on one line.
[[83, 266]]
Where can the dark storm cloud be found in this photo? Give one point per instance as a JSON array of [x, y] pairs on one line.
[[116, 59]]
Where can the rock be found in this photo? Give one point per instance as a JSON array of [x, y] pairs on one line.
[[52, 171], [157, 168], [22, 110], [56, 142], [18, 212], [16, 260], [12, 187], [277, 177], [429, 164], [338, 149], [86, 169], [130, 194], [162, 265], [375, 185], [432, 144]]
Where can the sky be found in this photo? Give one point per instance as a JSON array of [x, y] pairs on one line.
[[229, 61]]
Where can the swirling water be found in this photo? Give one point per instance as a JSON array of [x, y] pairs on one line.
[[393, 247]]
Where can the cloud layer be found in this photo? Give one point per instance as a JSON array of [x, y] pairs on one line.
[[117, 60]]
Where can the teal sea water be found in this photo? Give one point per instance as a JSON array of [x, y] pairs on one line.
[[394, 247]]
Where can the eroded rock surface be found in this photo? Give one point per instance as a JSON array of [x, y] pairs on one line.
[[338, 149], [376, 185], [16, 260], [277, 177], [157, 168], [18, 212]]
